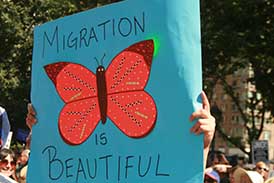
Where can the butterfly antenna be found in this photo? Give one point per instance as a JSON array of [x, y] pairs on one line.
[[97, 61], [103, 58]]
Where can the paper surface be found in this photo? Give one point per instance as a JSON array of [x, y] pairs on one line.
[[150, 52]]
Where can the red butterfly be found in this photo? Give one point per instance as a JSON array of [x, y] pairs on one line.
[[116, 92]]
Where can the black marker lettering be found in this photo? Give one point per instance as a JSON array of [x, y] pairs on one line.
[[54, 39], [139, 167], [106, 165], [127, 165], [138, 24], [54, 174], [104, 28], [83, 34], [80, 169], [157, 168], [95, 169], [68, 167], [125, 26]]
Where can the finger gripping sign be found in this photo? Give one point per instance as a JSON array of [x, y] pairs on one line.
[[113, 88]]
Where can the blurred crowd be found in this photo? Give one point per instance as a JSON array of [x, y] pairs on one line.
[[13, 163], [220, 170], [13, 166]]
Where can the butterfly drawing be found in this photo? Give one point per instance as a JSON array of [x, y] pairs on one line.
[[116, 92]]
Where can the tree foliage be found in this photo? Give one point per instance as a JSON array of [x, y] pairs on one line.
[[17, 20], [237, 34]]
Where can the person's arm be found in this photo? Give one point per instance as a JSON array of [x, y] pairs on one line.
[[31, 119], [205, 124]]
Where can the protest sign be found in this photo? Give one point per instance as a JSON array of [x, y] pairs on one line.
[[260, 151], [113, 88]]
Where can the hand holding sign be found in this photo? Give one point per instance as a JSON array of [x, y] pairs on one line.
[[31, 116], [206, 122]]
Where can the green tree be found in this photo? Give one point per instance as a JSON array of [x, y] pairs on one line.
[[17, 20], [237, 34]]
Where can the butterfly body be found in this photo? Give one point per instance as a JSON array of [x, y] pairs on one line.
[[116, 92], [102, 92]]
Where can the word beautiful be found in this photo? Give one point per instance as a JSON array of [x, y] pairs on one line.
[[57, 41], [105, 168]]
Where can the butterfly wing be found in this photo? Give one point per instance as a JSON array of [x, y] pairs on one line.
[[134, 113], [131, 109], [130, 69], [78, 120], [72, 81], [76, 85]]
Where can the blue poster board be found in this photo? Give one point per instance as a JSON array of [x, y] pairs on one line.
[[113, 88]]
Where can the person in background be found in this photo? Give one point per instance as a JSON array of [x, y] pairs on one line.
[[211, 176], [240, 175], [7, 166], [241, 161], [270, 180], [5, 125], [22, 165], [262, 169], [271, 169], [254, 177], [219, 163]]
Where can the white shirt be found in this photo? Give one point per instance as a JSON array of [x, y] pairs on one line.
[[4, 179], [5, 126]]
